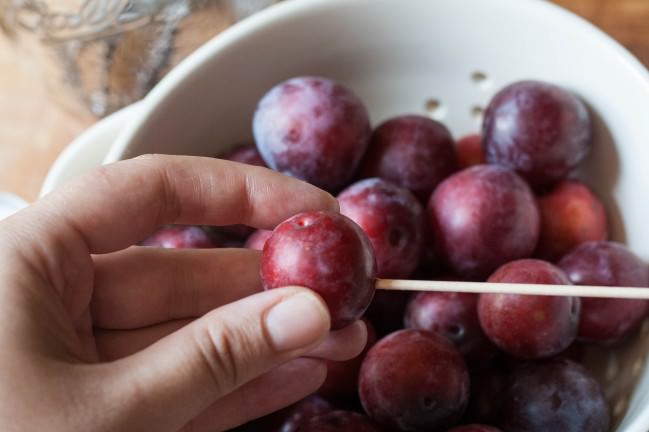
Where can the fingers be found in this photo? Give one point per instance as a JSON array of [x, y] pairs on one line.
[[117, 344], [277, 389], [339, 345], [184, 373], [118, 205], [140, 287]]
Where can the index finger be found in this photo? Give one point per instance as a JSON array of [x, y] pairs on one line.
[[118, 205]]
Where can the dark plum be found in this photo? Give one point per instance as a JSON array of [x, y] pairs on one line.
[[339, 421], [393, 220], [554, 395], [342, 376], [295, 416], [257, 239], [537, 129], [246, 154], [386, 311], [607, 321], [470, 151], [454, 315], [412, 151], [475, 428], [314, 129], [328, 253], [529, 326], [571, 214], [483, 217], [181, 237], [413, 380]]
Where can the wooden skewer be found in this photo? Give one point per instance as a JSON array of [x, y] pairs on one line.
[[510, 288]]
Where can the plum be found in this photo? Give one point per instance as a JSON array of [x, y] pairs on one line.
[[537, 129], [328, 253], [529, 326], [414, 380], [571, 214], [314, 129], [300, 413], [257, 239], [412, 151], [554, 395], [470, 151], [607, 321], [454, 315], [393, 220], [483, 217], [181, 237]]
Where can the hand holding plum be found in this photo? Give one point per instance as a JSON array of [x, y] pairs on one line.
[[98, 335]]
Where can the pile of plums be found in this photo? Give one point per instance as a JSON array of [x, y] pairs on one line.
[[502, 206]]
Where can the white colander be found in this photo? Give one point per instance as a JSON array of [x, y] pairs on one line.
[[441, 57]]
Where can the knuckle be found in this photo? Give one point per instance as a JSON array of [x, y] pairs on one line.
[[220, 351]]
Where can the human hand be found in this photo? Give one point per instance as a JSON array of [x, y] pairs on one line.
[[100, 336]]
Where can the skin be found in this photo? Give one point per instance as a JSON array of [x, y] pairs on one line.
[[101, 336]]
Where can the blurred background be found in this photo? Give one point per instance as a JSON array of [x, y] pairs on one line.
[[65, 64]]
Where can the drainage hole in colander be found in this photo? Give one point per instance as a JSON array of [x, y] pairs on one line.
[[435, 109], [481, 80], [477, 112]]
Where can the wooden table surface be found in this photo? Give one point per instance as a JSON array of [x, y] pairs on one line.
[[38, 119]]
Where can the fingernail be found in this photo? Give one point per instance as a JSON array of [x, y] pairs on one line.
[[296, 322]]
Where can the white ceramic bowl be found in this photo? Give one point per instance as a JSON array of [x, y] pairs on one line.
[[398, 55]]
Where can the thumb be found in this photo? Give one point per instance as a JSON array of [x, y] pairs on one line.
[[175, 379]]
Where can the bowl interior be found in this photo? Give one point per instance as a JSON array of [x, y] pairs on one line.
[[444, 58]]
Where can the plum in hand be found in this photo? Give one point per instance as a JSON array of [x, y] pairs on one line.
[[328, 253]]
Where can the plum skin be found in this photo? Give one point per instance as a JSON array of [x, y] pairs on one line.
[[181, 237], [412, 151], [454, 315], [393, 220], [529, 326], [314, 129], [414, 380], [554, 395], [607, 321], [328, 253], [257, 239], [482, 218], [571, 214], [537, 129]]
